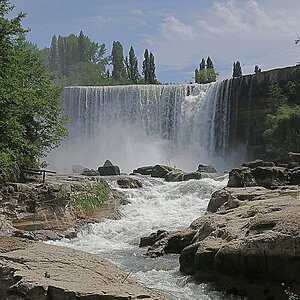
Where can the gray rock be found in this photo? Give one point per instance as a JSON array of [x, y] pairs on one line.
[[38, 271], [91, 172], [160, 171], [250, 247], [108, 163], [144, 170], [241, 177], [152, 238], [270, 176], [129, 183], [192, 175], [206, 169], [108, 169], [174, 176]]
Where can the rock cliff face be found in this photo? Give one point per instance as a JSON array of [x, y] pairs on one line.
[[248, 108]]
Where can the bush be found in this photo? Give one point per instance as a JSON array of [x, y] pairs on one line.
[[283, 130]]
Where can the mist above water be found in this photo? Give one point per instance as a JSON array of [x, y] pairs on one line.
[[138, 125]]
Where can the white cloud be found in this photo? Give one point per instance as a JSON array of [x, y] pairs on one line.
[[254, 32], [172, 28]]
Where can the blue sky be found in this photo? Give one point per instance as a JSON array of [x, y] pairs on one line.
[[179, 33]]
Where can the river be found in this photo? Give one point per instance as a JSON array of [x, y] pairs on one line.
[[158, 205]]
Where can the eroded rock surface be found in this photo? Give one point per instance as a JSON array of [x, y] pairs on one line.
[[249, 245], [37, 271]]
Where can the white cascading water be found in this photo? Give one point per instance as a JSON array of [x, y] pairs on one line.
[[158, 205], [133, 126], [136, 125]]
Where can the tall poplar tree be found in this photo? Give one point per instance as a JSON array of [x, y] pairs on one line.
[[206, 72], [54, 65], [210, 71], [146, 66], [237, 69], [152, 76], [118, 62], [133, 72]]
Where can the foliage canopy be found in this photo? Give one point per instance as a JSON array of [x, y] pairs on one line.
[[30, 117]]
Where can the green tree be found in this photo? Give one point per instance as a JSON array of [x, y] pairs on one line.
[[87, 73], [202, 65], [237, 69], [283, 130], [282, 123], [206, 72], [133, 72], [210, 71], [152, 76], [257, 70], [275, 97], [54, 65], [117, 61], [30, 117], [146, 66]]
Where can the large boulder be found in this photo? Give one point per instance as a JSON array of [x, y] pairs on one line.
[[174, 176], [206, 169], [241, 177], [129, 183], [108, 169], [152, 238], [270, 176], [160, 171], [254, 175], [192, 175], [257, 163], [147, 170]]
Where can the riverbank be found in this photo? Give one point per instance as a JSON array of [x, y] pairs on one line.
[[38, 271], [248, 242], [57, 208]]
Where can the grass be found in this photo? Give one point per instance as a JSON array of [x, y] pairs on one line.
[[88, 198]]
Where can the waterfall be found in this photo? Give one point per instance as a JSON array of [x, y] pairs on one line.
[[135, 125]]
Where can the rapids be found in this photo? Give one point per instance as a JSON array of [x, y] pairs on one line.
[[158, 205]]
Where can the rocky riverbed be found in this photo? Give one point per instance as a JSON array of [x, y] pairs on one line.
[[52, 210], [248, 242]]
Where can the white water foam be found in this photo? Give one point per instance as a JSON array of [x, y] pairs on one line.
[[181, 125], [158, 205]]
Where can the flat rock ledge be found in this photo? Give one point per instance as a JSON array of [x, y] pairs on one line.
[[248, 243], [38, 271]]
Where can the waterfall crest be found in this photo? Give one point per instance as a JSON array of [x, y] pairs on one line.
[[135, 125]]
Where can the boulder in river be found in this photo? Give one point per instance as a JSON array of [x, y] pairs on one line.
[[160, 171], [206, 169], [147, 170], [108, 169], [129, 183]]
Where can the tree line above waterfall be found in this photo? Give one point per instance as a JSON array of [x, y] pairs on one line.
[[77, 60]]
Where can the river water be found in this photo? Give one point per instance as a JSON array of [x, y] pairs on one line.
[[158, 205]]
